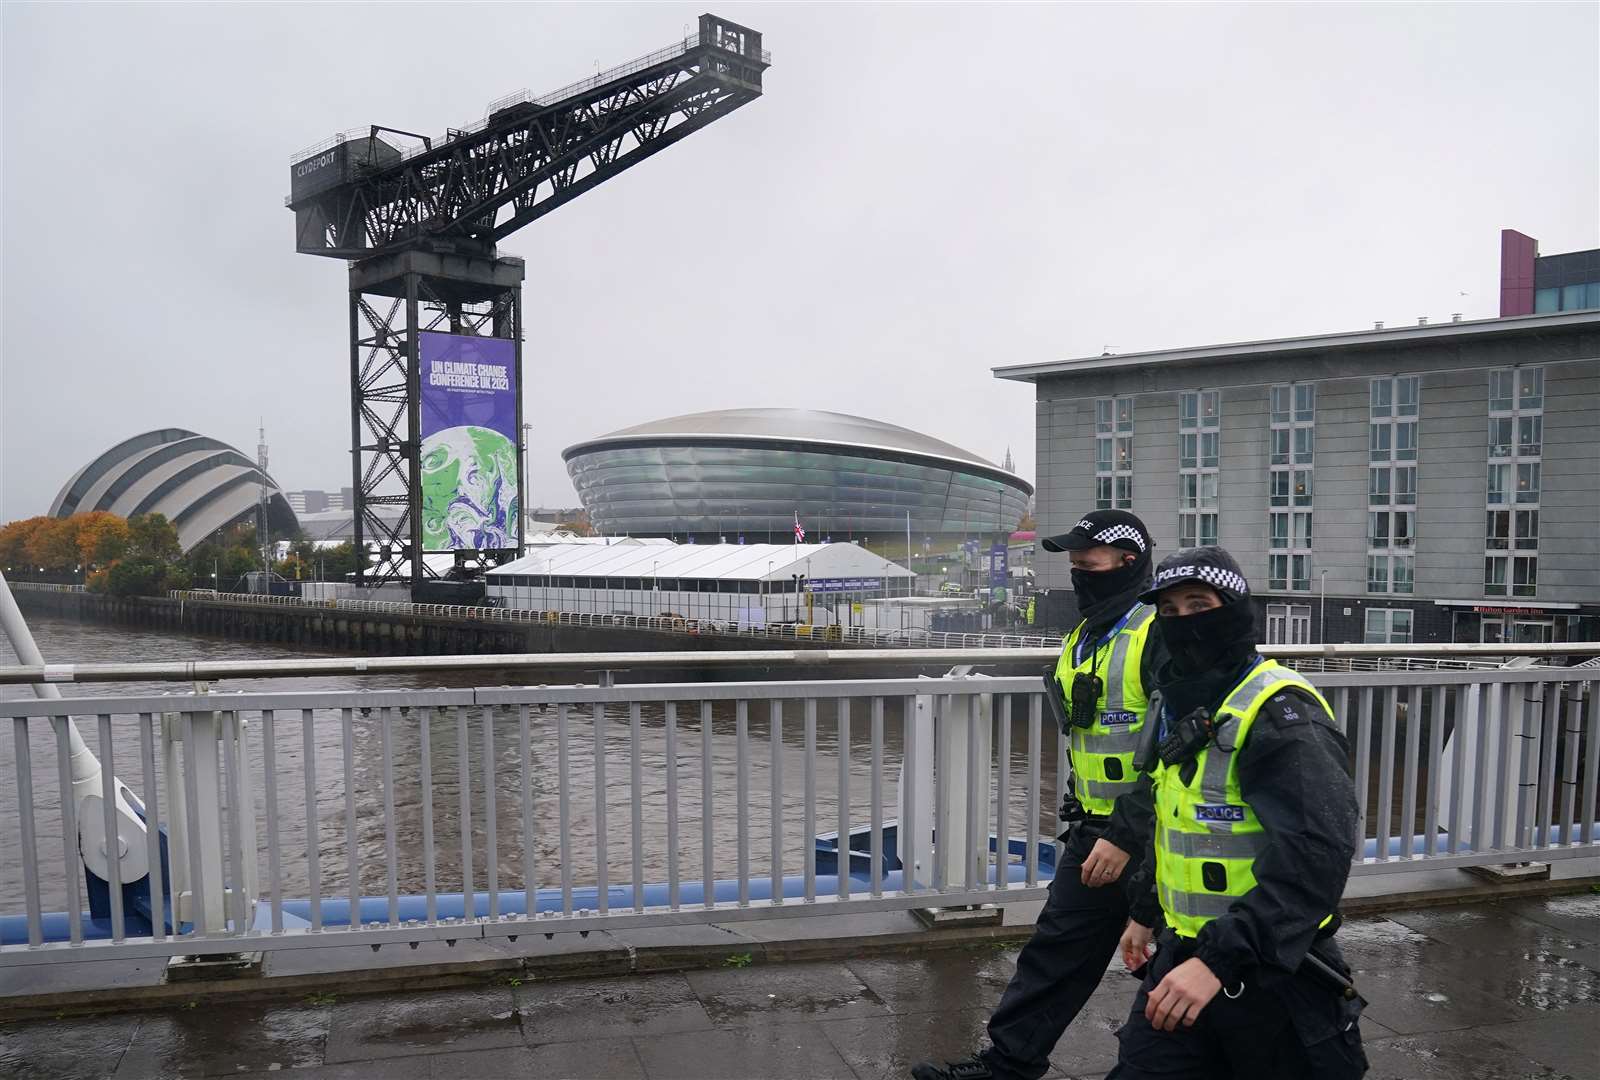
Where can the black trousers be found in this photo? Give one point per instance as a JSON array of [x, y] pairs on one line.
[[1060, 966], [1281, 1027]]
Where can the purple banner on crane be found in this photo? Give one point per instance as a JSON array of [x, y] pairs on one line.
[[469, 442]]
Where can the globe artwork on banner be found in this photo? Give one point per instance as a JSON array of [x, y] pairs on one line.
[[469, 489]]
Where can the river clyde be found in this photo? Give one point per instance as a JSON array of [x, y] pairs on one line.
[[67, 641]]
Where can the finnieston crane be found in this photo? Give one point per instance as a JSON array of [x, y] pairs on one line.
[[418, 219]]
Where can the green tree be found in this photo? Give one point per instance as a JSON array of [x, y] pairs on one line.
[[300, 563], [152, 536], [235, 563], [136, 576], [337, 562]]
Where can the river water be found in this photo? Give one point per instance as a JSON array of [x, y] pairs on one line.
[[66, 641]]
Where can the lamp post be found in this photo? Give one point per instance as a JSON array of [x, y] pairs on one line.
[[1322, 614], [655, 588]]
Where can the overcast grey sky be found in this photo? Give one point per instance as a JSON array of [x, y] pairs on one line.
[[922, 193]]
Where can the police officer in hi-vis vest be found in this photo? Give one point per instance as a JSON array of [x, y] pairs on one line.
[[1097, 692], [1255, 828]]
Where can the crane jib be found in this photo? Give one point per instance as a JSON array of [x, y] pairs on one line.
[[369, 192]]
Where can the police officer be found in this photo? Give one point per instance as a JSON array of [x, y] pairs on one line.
[[1255, 828], [1098, 687]]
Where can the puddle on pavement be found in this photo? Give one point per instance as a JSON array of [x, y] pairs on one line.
[[1573, 905], [1383, 941], [443, 1033], [809, 1004], [1558, 983]]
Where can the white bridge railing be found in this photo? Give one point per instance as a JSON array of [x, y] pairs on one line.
[[479, 813]]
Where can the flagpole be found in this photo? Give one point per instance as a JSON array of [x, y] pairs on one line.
[[795, 559]]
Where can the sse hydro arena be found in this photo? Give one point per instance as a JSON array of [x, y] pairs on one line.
[[749, 472]]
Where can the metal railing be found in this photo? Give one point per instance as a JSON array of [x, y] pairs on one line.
[[43, 586], [852, 635], [377, 817]]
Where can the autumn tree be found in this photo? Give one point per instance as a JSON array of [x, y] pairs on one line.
[[53, 547], [14, 540], [102, 538]]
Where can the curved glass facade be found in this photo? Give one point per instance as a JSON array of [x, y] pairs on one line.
[[728, 490]]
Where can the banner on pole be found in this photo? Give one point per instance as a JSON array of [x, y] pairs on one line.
[[469, 443]]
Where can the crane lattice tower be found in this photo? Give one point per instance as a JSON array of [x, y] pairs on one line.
[[418, 219]]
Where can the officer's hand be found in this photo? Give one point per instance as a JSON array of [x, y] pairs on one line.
[[1186, 990], [1104, 864], [1135, 944]]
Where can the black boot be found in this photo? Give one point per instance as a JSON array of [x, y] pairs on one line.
[[970, 1069]]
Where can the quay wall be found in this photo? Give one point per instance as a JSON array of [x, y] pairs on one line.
[[368, 633]]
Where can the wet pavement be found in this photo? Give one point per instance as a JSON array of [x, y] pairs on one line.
[[1491, 991]]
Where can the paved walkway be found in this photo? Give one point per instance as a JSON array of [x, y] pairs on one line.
[[1492, 991]]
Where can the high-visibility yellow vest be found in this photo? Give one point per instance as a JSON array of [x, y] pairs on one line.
[[1102, 754], [1207, 837]]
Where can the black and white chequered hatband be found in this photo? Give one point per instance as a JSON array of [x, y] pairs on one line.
[[1211, 565], [1116, 528]]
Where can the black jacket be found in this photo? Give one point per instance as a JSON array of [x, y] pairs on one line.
[[1294, 772]]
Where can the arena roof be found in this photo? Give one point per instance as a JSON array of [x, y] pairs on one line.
[[200, 484], [790, 425]]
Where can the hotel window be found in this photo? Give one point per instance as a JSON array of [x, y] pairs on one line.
[[1288, 624], [1291, 419], [1388, 626], [1199, 448], [1524, 575], [1113, 453], [1392, 441], [1287, 573], [1391, 529], [1514, 482]]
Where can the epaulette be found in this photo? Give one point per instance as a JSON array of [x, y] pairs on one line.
[[1290, 707]]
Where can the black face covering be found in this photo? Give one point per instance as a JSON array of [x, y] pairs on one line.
[[1208, 651], [1105, 595]]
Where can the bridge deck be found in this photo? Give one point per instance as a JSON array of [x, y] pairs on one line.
[[1501, 989]]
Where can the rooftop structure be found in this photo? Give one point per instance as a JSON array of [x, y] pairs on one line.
[[1531, 283]]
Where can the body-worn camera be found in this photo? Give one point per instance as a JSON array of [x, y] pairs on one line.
[[1187, 738], [1085, 698]]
